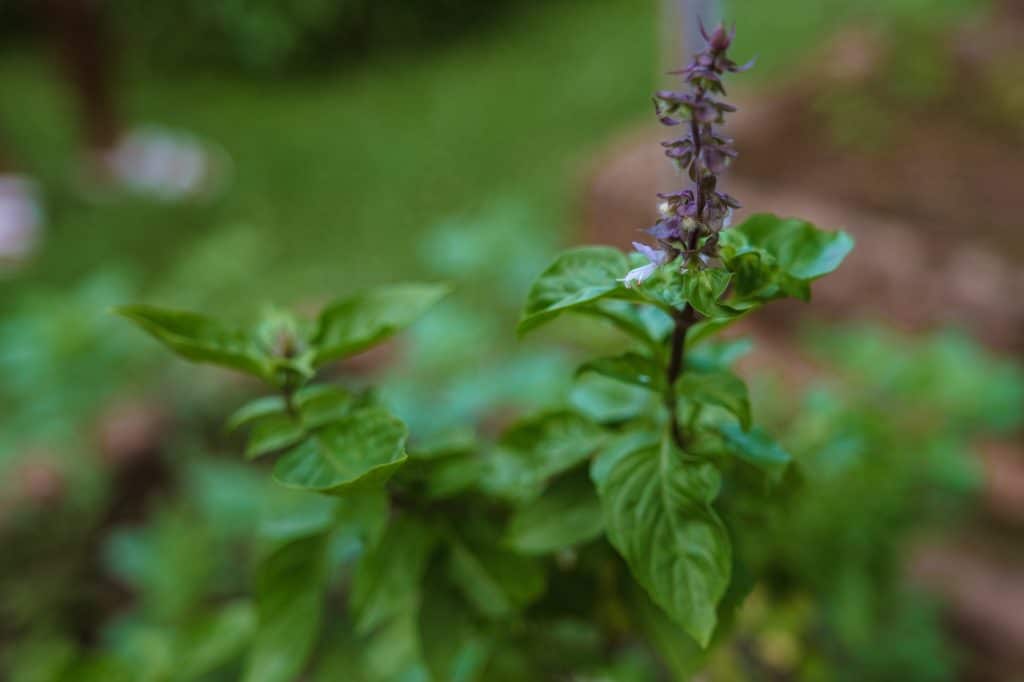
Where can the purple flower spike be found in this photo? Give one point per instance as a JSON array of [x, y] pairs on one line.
[[691, 218]]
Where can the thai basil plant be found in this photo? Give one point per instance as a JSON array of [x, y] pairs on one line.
[[605, 525]]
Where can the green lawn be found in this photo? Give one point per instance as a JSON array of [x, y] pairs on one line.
[[337, 175]]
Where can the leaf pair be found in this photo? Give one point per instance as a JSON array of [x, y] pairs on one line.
[[344, 328]]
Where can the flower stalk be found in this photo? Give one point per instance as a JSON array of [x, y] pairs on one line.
[[690, 219]]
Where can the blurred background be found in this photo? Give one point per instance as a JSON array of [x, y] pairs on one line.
[[230, 155]]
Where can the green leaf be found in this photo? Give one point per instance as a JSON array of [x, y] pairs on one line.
[[388, 581], [658, 516], [801, 249], [536, 449], [678, 651], [274, 428], [394, 652], [201, 339], [607, 401], [271, 433], [495, 581], [454, 647], [720, 355], [290, 586], [566, 515], [772, 257], [721, 388], [703, 288], [363, 513], [215, 641], [617, 448], [647, 323], [578, 276], [353, 324], [454, 475], [705, 329], [256, 409], [362, 449], [630, 368], [756, 447], [321, 405]]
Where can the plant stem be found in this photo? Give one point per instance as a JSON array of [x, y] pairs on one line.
[[288, 393], [684, 319]]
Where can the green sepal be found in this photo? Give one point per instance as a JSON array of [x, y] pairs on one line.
[[704, 287]]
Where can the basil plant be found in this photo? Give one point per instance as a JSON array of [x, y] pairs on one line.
[[582, 541]]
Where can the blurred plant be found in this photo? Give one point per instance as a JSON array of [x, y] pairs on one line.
[[459, 549], [271, 36], [56, 356], [883, 445]]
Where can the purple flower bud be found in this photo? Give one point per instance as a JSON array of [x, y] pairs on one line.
[[721, 39], [656, 256], [666, 230]]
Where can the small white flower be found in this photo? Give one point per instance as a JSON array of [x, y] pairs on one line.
[[639, 275]]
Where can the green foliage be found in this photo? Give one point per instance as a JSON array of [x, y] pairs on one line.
[[659, 516], [362, 449], [772, 258], [501, 561], [611, 535], [575, 280], [354, 324], [569, 514], [289, 594], [656, 472], [201, 339]]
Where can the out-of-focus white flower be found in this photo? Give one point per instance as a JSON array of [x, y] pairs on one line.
[[639, 275], [21, 218]]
